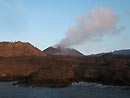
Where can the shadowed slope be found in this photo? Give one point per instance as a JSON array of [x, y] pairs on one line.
[[62, 51]]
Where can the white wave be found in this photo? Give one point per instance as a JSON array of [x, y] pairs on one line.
[[89, 84]]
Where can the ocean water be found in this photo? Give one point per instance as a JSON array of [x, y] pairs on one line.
[[77, 90]]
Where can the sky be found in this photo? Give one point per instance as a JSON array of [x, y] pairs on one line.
[[44, 23]]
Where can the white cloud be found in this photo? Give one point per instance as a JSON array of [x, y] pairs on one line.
[[98, 23]]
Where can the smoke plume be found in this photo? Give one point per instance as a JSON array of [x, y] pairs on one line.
[[98, 23]]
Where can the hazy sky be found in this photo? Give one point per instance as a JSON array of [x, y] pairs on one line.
[[45, 22]]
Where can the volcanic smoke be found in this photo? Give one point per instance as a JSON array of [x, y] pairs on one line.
[[97, 24]]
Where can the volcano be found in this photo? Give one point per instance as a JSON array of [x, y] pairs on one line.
[[62, 51], [8, 49]]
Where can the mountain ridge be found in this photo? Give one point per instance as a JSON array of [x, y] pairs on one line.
[[62, 51], [117, 52], [19, 48]]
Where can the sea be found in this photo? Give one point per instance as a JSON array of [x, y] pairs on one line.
[[76, 90]]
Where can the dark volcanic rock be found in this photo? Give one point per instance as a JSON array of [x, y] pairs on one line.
[[108, 69], [58, 71], [62, 51], [8, 49], [15, 67]]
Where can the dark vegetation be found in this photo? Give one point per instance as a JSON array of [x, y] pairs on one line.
[[58, 71]]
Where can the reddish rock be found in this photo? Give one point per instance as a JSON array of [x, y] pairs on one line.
[[8, 49]]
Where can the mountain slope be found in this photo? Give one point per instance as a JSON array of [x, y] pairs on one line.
[[8, 49], [122, 52], [62, 51], [118, 52]]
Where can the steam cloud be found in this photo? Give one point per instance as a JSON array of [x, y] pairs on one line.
[[98, 23]]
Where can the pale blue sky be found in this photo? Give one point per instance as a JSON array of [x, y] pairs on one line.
[[45, 22]]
